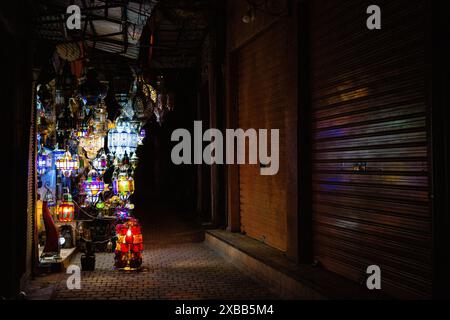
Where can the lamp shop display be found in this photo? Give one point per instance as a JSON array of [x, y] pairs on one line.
[[78, 142]]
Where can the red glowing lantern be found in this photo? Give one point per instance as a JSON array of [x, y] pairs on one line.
[[129, 247]]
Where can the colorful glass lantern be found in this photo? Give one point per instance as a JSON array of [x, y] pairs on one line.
[[93, 186], [129, 245], [141, 137], [122, 213], [92, 144], [100, 120], [49, 197], [82, 130], [44, 162], [67, 163], [100, 205], [122, 139], [123, 186], [66, 208], [100, 163]]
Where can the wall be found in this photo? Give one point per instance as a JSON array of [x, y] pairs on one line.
[[16, 96], [263, 207]]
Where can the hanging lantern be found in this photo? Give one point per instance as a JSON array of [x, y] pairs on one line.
[[66, 208], [170, 101], [122, 213], [93, 186], [44, 162], [122, 139], [123, 186], [142, 98], [100, 163], [164, 100], [67, 163], [100, 120], [100, 205], [92, 144], [82, 130], [134, 161], [58, 154], [141, 137], [49, 197]]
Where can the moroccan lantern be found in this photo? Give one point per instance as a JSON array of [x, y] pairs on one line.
[[122, 139], [141, 137], [66, 208], [129, 245], [92, 144], [123, 186], [67, 163], [82, 130], [49, 197], [122, 213], [134, 161], [100, 163], [100, 120], [93, 186], [44, 162]]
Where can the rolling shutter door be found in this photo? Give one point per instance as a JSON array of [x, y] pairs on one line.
[[370, 154], [262, 104]]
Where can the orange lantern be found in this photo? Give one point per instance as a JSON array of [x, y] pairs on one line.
[[66, 208]]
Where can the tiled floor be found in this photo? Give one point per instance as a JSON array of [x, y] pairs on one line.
[[176, 266]]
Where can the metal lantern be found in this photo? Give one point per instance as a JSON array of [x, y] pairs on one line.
[[92, 144], [93, 186], [129, 245], [141, 137], [164, 100], [82, 130], [134, 161], [122, 139], [44, 162], [123, 186], [100, 120], [100, 163], [66, 208], [49, 197], [67, 163], [122, 213]]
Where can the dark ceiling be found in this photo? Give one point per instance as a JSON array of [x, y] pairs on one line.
[[124, 28]]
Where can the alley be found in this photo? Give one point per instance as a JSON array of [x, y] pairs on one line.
[[176, 265]]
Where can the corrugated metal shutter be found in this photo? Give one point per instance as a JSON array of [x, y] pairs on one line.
[[262, 104], [370, 113]]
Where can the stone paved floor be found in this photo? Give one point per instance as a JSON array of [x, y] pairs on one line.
[[176, 266]]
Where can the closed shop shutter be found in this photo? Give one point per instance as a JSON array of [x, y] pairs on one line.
[[370, 144], [262, 104]]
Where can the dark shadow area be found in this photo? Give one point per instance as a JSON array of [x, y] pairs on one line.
[[165, 196]]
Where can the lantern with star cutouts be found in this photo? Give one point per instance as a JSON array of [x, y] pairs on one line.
[[93, 186]]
